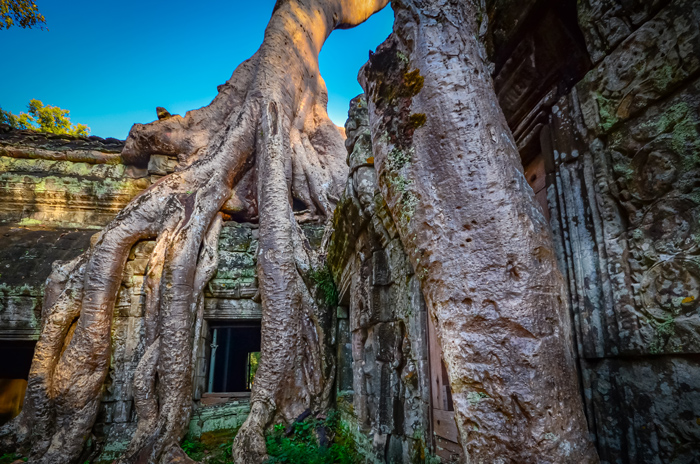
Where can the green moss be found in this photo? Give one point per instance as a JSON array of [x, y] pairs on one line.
[[417, 120], [412, 82], [214, 446], [325, 286], [637, 234], [607, 112], [399, 183], [624, 170], [419, 452], [663, 77], [28, 222], [663, 331], [475, 397], [398, 158], [671, 116], [685, 140], [409, 202]]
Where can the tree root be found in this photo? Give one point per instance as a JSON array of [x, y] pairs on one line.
[[264, 142]]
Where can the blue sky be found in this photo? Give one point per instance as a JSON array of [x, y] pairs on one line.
[[111, 62]]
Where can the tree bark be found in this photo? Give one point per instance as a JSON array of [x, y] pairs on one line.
[[452, 177], [453, 180], [265, 140]]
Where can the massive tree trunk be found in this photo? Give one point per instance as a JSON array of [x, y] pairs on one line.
[[452, 177], [263, 141]]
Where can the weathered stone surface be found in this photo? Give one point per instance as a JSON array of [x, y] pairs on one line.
[[161, 165], [647, 65], [382, 346], [224, 309], [605, 23], [62, 145], [228, 416], [64, 181], [649, 409], [623, 192], [26, 258], [63, 193]]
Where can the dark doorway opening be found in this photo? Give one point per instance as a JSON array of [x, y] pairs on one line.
[[235, 352], [16, 359]]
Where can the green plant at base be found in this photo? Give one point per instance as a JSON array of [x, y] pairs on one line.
[[323, 278], [44, 118], [302, 444], [9, 458], [212, 447], [220, 454]]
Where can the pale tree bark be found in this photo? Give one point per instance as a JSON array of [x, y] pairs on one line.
[[263, 141], [452, 177]]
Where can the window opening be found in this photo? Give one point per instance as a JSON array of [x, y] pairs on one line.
[[14, 371], [235, 354]]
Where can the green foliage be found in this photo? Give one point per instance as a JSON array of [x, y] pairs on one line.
[[254, 360], [193, 448], [44, 118], [323, 278], [22, 13], [302, 445], [212, 447], [9, 458]]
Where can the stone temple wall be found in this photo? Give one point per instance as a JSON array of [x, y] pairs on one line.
[[227, 298], [56, 192], [620, 152], [382, 341], [603, 99]]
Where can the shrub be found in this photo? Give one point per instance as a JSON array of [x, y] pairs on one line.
[[302, 445], [323, 278], [44, 118]]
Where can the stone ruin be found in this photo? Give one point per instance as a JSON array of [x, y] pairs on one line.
[[603, 98]]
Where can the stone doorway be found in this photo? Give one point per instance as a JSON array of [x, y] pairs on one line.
[[442, 416]]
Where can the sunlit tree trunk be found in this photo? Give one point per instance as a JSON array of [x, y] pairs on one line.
[[264, 140], [452, 176]]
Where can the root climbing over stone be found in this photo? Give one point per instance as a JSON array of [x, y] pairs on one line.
[[265, 141]]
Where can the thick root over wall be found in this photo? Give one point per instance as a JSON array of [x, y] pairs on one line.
[[451, 175], [264, 141]]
